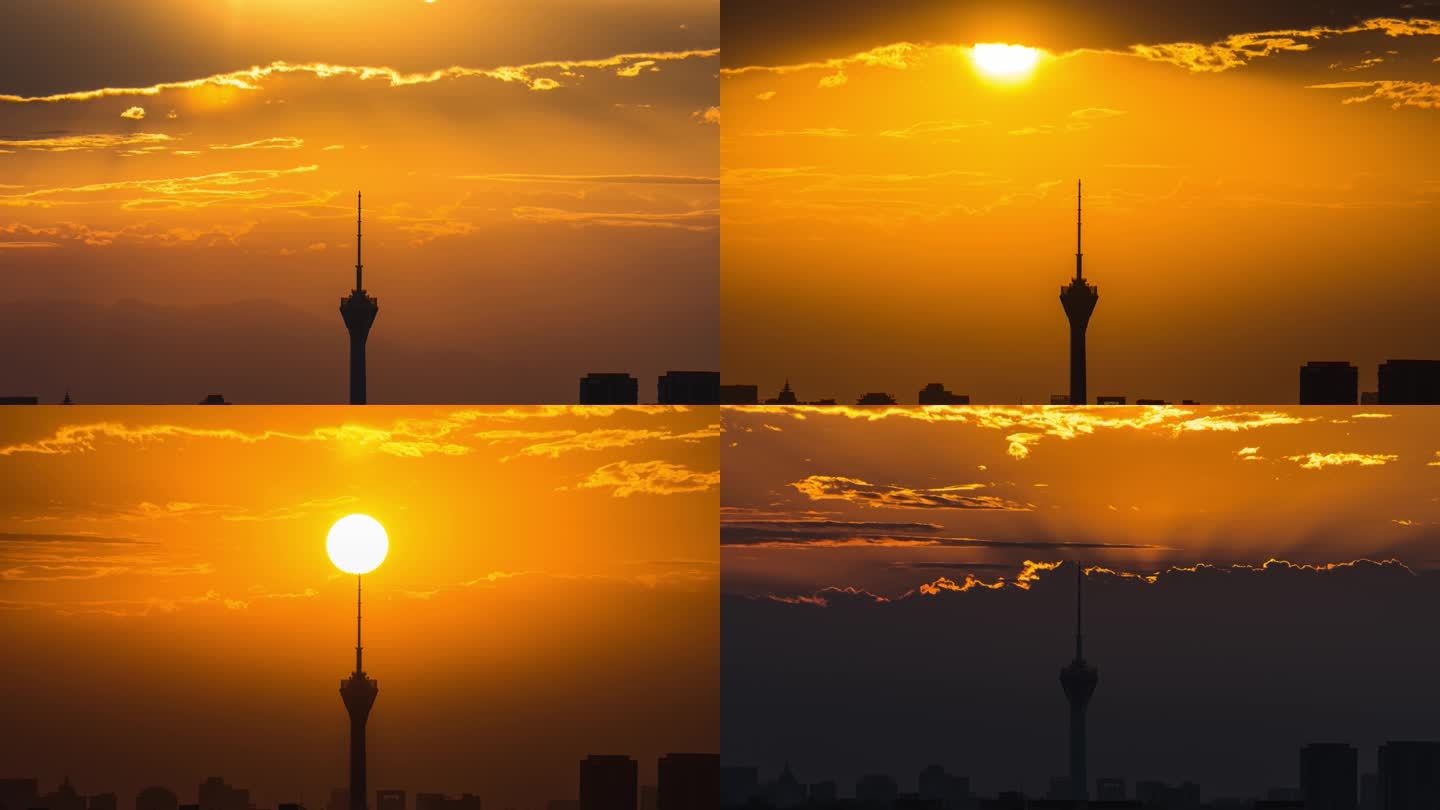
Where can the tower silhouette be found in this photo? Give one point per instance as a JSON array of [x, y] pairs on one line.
[[358, 692], [1078, 679], [1078, 298], [358, 310]]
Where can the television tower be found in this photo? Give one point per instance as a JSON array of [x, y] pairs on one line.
[[1078, 679], [1078, 298], [358, 692], [358, 310]]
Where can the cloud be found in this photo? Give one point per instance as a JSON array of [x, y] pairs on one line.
[[765, 96], [193, 191], [837, 79], [1317, 461], [1026, 426], [854, 490], [699, 220], [253, 78], [556, 443], [896, 56], [37, 557], [76, 143], [709, 115], [134, 113], [807, 531], [264, 143], [626, 478], [930, 129], [1422, 95], [634, 68], [1238, 50], [1095, 113]]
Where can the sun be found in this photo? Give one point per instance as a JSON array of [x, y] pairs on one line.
[[1001, 61], [357, 544]]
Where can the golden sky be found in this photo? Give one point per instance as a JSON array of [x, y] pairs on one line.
[[518, 164], [550, 592], [1254, 199], [901, 500]]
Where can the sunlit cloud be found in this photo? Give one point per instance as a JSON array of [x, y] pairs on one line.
[[76, 143], [264, 143], [854, 490], [626, 478], [134, 113], [254, 78], [1318, 461], [1422, 95]]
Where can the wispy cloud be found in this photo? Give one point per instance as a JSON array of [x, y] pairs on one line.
[[626, 478], [854, 490]]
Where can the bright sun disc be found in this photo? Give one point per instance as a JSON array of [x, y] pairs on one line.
[[1004, 61], [357, 544]]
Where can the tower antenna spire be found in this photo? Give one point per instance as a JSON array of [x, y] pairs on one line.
[[1078, 254], [358, 265], [358, 667]]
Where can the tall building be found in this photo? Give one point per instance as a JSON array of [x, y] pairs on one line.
[[606, 388], [688, 782], [1328, 776], [358, 692], [21, 794], [389, 800], [1078, 298], [1078, 679], [215, 794], [937, 394], [739, 395], [876, 788], [156, 798], [688, 388], [607, 782], [1410, 382], [786, 396], [1408, 777], [1329, 382], [102, 801], [64, 797], [359, 311]]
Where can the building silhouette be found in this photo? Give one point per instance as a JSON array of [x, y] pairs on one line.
[[609, 389], [937, 784], [739, 395], [1409, 382], [875, 398], [359, 311], [1110, 400], [22, 794], [389, 800], [1078, 679], [1329, 382], [1078, 298], [358, 692], [688, 388], [649, 797], [1328, 774], [439, 801], [607, 782], [156, 798], [786, 396], [1408, 776], [688, 782], [213, 399], [215, 794], [937, 394], [64, 797], [1110, 789], [19, 400], [876, 788]]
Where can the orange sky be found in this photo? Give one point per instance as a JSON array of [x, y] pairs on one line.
[[892, 217], [892, 500], [551, 591], [201, 193]]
